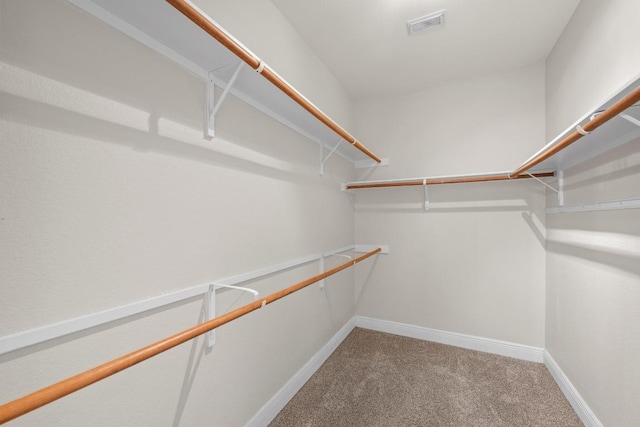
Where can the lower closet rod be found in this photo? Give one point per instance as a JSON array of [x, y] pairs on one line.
[[35, 400]]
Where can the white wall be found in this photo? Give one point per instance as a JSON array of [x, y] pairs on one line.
[[473, 264], [110, 195], [593, 287], [593, 273], [597, 53]]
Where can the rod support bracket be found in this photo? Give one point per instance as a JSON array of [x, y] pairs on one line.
[[426, 195], [212, 106], [630, 119], [210, 308], [321, 260], [542, 182], [323, 159]]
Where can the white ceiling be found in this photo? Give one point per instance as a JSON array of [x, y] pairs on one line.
[[365, 42]]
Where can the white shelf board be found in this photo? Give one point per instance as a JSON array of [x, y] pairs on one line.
[[601, 206], [613, 133], [158, 25]]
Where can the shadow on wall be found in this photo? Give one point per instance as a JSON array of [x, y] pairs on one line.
[[29, 99], [361, 284], [112, 325], [619, 165], [618, 250], [489, 197], [196, 353], [451, 198], [623, 170], [628, 262], [104, 86], [609, 238], [536, 226]]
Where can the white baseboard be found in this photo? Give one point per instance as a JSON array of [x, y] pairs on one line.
[[487, 345], [518, 351], [268, 412], [579, 405]]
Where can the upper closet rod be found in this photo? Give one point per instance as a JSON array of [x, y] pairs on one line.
[[23, 405], [590, 126], [443, 180], [204, 22]]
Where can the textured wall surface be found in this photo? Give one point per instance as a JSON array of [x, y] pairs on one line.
[[593, 286], [110, 195], [473, 264], [260, 26], [596, 55], [593, 258]]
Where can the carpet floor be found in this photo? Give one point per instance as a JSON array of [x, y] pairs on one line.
[[378, 379]]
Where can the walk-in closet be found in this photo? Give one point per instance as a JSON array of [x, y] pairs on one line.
[[319, 213]]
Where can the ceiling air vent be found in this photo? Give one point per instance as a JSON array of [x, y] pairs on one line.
[[424, 22]]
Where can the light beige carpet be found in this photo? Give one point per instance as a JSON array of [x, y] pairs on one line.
[[378, 379]]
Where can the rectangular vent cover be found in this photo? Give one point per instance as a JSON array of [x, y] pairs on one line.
[[424, 22]]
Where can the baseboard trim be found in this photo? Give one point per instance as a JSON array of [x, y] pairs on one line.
[[487, 345], [270, 410], [579, 405], [518, 351]]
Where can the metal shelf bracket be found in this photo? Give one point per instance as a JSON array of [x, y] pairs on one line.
[[558, 190], [212, 105], [322, 264], [630, 119], [323, 159], [210, 337], [426, 195]]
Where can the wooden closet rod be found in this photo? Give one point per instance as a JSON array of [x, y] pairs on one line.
[[590, 126], [39, 398], [185, 7], [449, 180]]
